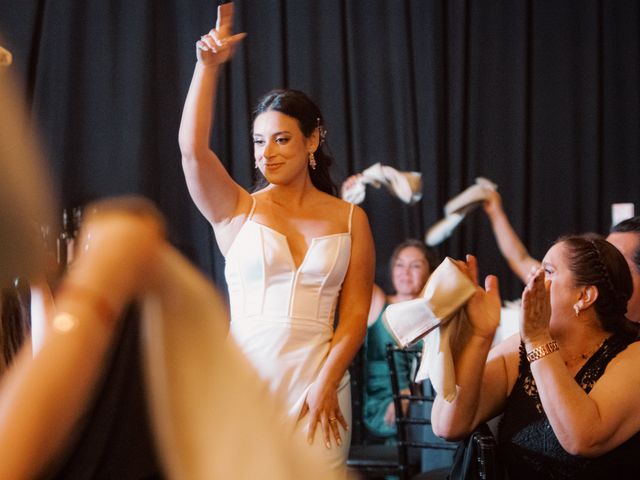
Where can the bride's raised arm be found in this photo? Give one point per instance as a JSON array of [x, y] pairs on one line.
[[215, 193]]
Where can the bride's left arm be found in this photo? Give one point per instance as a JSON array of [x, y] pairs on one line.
[[355, 300]]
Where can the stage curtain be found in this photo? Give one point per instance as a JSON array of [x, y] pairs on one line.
[[540, 96]]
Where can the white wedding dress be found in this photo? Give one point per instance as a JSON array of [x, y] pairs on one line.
[[282, 317]]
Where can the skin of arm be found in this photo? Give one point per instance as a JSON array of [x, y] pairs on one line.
[[512, 249], [218, 197], [42, 398], [585, 424], [594, 424], [355, 300], [378, 299], [482, 377]]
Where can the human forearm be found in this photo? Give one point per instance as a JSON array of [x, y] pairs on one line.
[[197, 115], [573, 415], [211, 187], [42, 398], [456, 419], [510, 245], [212, 50], [346, 342]]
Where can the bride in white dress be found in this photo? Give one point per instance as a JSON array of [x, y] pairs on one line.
[[295, 253]]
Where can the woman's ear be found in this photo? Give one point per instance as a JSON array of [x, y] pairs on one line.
[[588, 296], [313, 141]]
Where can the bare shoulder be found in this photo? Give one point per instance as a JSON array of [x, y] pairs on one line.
[[332, 203], [620, 382], [338, 210], [508, 347], [359, 218], [627, 361]]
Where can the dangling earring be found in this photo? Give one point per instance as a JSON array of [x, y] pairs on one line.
[[576, 308], [256, 164], [312, 161]]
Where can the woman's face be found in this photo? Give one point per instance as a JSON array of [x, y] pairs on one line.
[[409, 272], [564, 294], [280, 149]]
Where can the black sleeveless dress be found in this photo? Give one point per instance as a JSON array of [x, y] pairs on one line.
[[528, 447]]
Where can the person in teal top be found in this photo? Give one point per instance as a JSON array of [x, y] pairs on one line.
[[411, 264]]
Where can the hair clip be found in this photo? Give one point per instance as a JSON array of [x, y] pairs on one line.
[[321, 130]]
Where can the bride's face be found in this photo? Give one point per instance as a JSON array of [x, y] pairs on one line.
[[280, 148]]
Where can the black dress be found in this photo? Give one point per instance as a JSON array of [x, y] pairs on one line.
[[529, 448]]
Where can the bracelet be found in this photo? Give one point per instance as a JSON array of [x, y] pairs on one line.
[[542, 351], [91, 298]]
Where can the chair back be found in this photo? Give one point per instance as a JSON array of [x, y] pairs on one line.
[[476, 457], [366, 456], [412, 404]]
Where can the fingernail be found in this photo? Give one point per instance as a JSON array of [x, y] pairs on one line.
[[328, 445], [310, 441], [338, 442]]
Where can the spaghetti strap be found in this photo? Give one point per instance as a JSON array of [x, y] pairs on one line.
[[253, 207], [350, 216]]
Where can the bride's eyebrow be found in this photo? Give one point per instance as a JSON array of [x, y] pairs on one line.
[[282, 132]]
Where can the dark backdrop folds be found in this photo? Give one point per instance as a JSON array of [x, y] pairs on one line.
[[540, 96]]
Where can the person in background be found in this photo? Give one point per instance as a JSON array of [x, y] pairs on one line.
[[410, 265], [567, 385], [510, 245], [294, 252], [625, 236]]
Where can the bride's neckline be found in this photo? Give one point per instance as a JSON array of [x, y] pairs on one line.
[[286, 241]]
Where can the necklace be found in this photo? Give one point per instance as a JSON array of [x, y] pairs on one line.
[[584, 355]]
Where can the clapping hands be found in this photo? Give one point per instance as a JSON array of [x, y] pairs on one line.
[[535, 313]]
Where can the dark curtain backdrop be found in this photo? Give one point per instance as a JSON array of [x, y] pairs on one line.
[[541, 96]]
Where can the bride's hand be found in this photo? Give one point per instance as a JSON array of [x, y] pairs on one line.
[[323, 408], [218, 45]]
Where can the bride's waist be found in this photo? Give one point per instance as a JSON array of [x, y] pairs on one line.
[[287, 321]]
